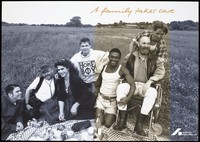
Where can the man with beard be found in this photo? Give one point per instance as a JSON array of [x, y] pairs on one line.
[[146, 70], [43, 103], [158, 45]]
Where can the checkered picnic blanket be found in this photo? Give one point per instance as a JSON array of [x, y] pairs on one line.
[[128, 134], [30, 132]]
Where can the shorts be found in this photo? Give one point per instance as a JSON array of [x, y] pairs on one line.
[[109, 106]]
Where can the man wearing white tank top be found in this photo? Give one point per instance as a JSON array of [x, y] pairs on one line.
[[106, 86]]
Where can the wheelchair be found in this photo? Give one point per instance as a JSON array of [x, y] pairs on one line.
[[153, 126]]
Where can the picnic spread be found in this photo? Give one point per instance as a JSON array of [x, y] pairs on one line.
[[77, 130], [65, 131]]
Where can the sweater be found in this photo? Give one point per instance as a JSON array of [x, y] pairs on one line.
[[90, 66], [10, 115], [78, 89]]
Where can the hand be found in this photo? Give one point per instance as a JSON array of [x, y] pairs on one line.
[[135, 42], [152, 47], [123, 101], [61, 117], [28, 107], [19, 126], [146, 86], [74, 109]]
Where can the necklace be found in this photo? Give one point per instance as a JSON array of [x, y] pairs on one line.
[[67, 83], [142, 57]]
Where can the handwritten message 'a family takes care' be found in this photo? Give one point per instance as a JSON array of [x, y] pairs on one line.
[[128, 11]]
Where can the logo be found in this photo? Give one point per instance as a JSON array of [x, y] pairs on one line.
[[181, 133], [87, 67], [176, 132]]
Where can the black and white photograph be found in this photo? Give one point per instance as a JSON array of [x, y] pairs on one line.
[[99, 71]]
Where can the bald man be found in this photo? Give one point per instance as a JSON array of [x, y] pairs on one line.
[[146, 69]]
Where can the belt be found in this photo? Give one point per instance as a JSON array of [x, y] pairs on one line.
[[106, 97]]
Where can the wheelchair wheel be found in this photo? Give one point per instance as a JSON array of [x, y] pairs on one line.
[[157, 129]]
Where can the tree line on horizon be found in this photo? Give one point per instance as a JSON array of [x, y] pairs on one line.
[[187, 25]]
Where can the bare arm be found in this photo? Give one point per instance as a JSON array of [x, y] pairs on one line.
[[61, 110], [125, 59], [27, 97], [27, 93], [132, 45], [98, 85]]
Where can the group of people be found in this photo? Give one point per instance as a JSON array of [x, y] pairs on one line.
[[91, 84], [138, 74]]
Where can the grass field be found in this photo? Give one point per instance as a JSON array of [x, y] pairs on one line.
[[25, 48], [184, 86]]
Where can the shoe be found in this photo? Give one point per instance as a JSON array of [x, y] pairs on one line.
[[139, 125], [121, 124]]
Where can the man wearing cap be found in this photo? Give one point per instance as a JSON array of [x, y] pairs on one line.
[[45, 93]]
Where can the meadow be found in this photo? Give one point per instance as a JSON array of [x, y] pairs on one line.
[[184, 84], [26, 48]]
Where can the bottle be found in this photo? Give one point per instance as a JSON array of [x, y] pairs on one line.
[[99, 127]]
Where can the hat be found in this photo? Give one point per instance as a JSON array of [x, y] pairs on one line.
[[45, 68]]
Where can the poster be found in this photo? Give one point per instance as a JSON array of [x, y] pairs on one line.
[[34, 33]]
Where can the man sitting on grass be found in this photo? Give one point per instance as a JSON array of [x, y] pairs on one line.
[[11, 111]]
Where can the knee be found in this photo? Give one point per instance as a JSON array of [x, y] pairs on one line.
[[122, 90], [152, 92]]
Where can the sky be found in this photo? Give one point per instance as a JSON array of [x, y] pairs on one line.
[[93, 12]]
